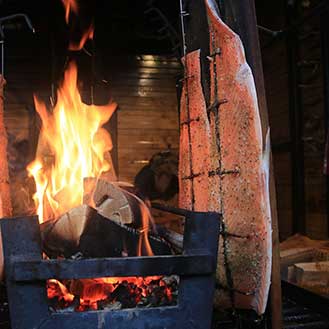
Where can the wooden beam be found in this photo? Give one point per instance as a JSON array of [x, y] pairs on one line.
[[241, 17]]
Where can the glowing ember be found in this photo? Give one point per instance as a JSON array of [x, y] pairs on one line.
[[109, 293], [72, 146]]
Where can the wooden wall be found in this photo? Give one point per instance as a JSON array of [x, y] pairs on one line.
[[147, 117], [310, 85], [145, 89]]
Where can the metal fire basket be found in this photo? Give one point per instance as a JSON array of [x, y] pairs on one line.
[[27, 273]]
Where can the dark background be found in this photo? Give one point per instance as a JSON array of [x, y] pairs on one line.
[[121, 27]]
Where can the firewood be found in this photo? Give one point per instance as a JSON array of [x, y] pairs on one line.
[[301, 241], [62, 236], [110, 201], [315, 272], [292, 256], [301, 249], [175, 239], [83, 230], [313, 276]]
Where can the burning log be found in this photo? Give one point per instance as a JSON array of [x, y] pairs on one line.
[[174, 238], [110, 200], [62, 236], [83, 230]]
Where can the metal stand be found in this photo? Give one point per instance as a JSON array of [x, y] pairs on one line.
[[27, 272], [2, 34]]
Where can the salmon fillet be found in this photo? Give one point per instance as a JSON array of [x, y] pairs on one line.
[[196, 192], [223, 168]]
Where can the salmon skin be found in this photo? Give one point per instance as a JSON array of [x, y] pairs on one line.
[[224, 168]]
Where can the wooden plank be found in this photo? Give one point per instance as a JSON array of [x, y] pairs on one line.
[[131, 137], [144, 120]]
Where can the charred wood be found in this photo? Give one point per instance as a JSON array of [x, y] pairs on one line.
[[175, 239], [84, 230]]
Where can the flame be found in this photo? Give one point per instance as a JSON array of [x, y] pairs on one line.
[[72, 146], [143, 242], [87, 293], [70, 6], [87, 35]]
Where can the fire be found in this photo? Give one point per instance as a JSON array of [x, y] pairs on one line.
[[72, 146], [144, 240], [93, 294], [87, 35], [70, 5]]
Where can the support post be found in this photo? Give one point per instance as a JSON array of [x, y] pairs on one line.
[[324, 18]]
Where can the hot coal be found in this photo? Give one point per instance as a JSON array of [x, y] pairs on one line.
[[112, 293]]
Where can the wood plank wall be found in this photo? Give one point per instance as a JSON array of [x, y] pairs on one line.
[[275, 62], [145, 89]]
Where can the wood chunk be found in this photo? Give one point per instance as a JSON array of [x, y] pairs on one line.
[[84, 230], [312, 273], [301, 241], [322, 254], [110, 200], [176, 240], [301, 249], [107, 238], [292, 256], [62, 236]]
